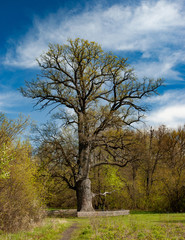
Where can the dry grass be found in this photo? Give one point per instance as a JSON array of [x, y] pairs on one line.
[[48, 229]]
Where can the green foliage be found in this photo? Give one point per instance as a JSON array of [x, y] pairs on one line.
[[112, 178], [9, 130], [6, 158], [20, 205], [153, 181], [106, 179], [57, 194]]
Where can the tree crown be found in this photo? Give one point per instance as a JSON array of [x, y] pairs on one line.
[[81, 76]]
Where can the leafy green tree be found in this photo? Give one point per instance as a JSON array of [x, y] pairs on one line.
[[156, 180], [20, 203], [98, 92], [9, 130], [152, 154], [173, 166], [107, 186]]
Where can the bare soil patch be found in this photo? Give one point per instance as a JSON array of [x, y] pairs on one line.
[[66, 235]]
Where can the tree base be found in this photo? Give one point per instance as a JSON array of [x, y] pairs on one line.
[[84, 196]]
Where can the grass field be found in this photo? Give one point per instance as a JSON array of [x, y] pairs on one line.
[[133, 226], [49, 229]]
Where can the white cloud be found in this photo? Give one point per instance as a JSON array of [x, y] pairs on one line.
[[169, 109], [171, 116], [10, 100], [147, 27], [167, 59]]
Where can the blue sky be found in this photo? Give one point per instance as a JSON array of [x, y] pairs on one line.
[[150, 33]]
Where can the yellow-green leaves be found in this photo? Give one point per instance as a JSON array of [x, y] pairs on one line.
[[19, 198], [6, 156]]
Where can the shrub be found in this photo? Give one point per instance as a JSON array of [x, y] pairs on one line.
[[20, 205]]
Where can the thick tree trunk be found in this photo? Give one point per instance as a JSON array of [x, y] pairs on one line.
[[84, 195], [83, 185]]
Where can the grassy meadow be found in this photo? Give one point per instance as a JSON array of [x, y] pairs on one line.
[[133, 226], [49, 229]]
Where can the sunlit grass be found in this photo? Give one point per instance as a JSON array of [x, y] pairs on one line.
[[49, 229], [135, 226]]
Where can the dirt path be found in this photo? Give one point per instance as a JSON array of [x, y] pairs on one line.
[[68, 232]]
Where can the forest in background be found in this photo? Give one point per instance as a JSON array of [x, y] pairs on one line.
[[153, 179]]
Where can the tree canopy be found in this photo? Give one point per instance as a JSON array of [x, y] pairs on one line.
[[99, 94]]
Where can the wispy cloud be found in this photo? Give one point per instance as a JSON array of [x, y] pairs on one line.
[[10, 100], [155, 28], [163, 66], [169, 109]]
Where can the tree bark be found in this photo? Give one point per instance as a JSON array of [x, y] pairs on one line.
[[84, 195]]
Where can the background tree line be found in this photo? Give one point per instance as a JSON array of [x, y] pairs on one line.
[[153, 179]]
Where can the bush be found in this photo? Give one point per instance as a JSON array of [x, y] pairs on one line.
[[20, 205]]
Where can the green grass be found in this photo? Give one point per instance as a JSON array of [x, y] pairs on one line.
[[50, 229], [134, 226]]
